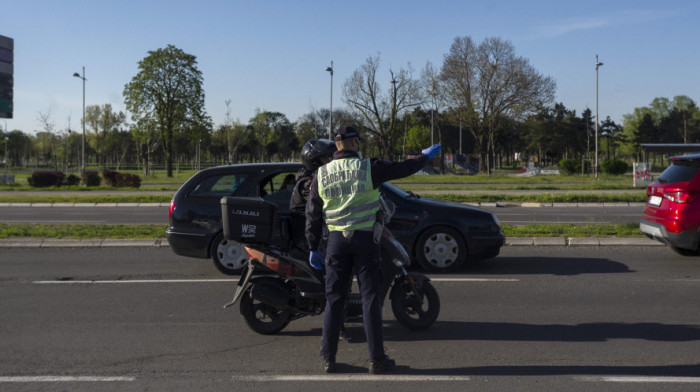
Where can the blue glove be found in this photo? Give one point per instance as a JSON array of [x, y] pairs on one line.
[[432, 151], [316, 259]]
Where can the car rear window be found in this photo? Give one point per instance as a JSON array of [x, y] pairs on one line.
[[680, 171]]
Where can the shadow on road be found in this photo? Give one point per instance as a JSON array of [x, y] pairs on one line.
[[546, 265], [474, 330], [524, 370], [589, 332]]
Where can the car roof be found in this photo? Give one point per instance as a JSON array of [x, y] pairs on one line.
[[689, 157], [259, 166]]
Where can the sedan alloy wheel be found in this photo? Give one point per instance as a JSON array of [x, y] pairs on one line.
[[441, 249], [229, 257]]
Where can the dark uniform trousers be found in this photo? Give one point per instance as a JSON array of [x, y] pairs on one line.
[[342, 255]]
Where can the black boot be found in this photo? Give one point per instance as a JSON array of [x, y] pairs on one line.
[[328, 365], [381, 365]]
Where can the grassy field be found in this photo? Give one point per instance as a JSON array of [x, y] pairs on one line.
[[84, 231]]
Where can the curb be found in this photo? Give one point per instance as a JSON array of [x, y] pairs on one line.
[[581, 241], [506, 204], [64, 204], [162, 243]]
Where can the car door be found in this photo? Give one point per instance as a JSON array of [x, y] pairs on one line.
[[277, 188]]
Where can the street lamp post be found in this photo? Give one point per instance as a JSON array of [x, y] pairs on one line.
[[77, 75], [7, 137], [598, 64], [330, 121]]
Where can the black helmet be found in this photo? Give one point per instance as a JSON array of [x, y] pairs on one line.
[[314, 150]]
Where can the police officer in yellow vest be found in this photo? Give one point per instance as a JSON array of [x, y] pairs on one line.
[[344, 193]]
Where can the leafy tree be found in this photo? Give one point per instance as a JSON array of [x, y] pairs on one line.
[[167, 95], [687, 115], [275, 134], [611, 133], [19, 146], [417, 138], [663, 121], [102, 121]]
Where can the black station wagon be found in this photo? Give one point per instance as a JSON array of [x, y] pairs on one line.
[[440, 236]]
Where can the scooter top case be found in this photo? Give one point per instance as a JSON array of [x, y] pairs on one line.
[[248, 220]]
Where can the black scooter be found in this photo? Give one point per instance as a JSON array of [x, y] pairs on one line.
[[286, 288]]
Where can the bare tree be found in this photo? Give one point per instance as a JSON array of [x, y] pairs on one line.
[[433, 93], [46, 141], [379, 110], [228, 124], [490, 84]]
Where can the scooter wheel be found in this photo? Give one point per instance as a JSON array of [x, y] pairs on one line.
[[261, 318], [415, 309]]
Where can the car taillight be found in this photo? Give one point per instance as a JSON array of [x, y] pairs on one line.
[[680, 197], [172, 208]]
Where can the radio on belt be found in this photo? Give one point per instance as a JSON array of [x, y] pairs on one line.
[[248, 220]]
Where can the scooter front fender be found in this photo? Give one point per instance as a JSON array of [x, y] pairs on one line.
[[410, 281]]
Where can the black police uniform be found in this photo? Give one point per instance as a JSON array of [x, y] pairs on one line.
[[357, 251]]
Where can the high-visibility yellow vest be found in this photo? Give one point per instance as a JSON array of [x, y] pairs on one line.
[[349, 200]]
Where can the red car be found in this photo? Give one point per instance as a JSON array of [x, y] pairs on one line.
[[672, 213]]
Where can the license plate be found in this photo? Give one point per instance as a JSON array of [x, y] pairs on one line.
[[655, 200]]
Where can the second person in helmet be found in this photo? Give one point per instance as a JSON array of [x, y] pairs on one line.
[[314, 154]]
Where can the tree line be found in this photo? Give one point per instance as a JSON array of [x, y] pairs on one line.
[[484, 100]]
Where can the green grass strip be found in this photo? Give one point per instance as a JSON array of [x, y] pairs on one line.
[[542, 198], [81, 231], [573, 230]]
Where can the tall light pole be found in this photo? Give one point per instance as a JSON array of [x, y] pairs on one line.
[[7, 137], [598, 64], [77, 75], [330, 121]]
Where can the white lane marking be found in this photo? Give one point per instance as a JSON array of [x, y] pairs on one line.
[[134, 281], [640, 379], [147, 281], [473, 280], [54, 221], [558, 222], [347, 377], [7, 379]]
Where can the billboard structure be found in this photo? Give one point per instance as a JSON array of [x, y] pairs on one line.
[[7, 50]]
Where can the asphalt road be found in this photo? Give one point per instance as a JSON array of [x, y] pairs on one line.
[[533, 319], [159, 215]]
